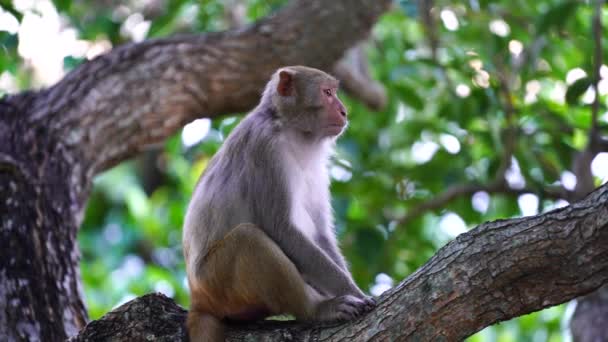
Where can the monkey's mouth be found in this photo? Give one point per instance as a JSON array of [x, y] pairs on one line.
[[334, 129]]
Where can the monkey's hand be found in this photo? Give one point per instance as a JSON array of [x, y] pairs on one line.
[[342, 308], [369, 301]]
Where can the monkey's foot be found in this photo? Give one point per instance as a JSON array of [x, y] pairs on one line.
[[342, 308], [370, 303]]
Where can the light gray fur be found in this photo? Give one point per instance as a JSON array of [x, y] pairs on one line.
[[246, 182]]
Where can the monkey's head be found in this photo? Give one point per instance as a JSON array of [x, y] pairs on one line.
[[306, 101]]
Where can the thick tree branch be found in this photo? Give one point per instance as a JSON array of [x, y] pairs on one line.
[[139, 94], [497, 271], [352, 70]]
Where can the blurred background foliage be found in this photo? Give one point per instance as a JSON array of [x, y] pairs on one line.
[[458, 75]]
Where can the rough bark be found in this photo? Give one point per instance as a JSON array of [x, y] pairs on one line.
[[495, 272], [589, 320], [53, 141]]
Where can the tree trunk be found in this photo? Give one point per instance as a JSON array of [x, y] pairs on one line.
[[492, 273], [589, 320], [53, 142], [40, 290]]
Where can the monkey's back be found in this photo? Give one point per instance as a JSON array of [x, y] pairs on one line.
[[224, 196]]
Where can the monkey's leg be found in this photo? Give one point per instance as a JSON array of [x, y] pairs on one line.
[[247, 276], [260, 279]]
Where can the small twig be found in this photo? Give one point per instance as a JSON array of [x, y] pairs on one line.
[[510, 132], [429, 23], [597, 37], [496, 187], [426, 17]]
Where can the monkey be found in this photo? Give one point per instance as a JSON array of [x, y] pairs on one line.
[[258, 235]]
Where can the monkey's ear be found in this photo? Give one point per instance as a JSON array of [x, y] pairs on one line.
[[285, 87]]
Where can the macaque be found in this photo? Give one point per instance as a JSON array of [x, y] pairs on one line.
[[258, 234]]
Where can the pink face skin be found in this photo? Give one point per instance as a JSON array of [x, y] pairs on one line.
[[335, 119]]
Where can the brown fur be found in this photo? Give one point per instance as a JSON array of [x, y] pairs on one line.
[[257, 280]]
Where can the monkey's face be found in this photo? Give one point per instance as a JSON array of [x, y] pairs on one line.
[[333, 113], [318, 112], [308, 102]]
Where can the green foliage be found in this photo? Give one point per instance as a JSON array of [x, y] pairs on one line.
[[444, 125]]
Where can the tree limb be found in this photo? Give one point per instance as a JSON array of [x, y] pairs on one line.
[[495, 272], [353, 72], [139, 94], [499, 186]]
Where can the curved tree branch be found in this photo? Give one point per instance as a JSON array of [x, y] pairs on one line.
[[495, 272], [353, 72], [152, 89]]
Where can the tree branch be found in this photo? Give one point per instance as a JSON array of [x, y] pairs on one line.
[[498, 184], [495, 272], [460, 190], [139, 94], [353, 72], [509, 134]]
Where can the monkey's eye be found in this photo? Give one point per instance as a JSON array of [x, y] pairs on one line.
[[327, 92]]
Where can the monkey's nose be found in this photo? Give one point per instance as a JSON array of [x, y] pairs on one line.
[[343, 112]]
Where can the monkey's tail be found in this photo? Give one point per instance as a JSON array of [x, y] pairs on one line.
[[203, 327]]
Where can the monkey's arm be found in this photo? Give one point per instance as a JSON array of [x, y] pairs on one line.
[[331, 249], [317, 268], [271, 208]]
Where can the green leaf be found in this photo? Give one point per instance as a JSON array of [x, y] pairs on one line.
[[410, 96], [556, 16], [62, 5], [8, 6], [579, 139], [577, 89]]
